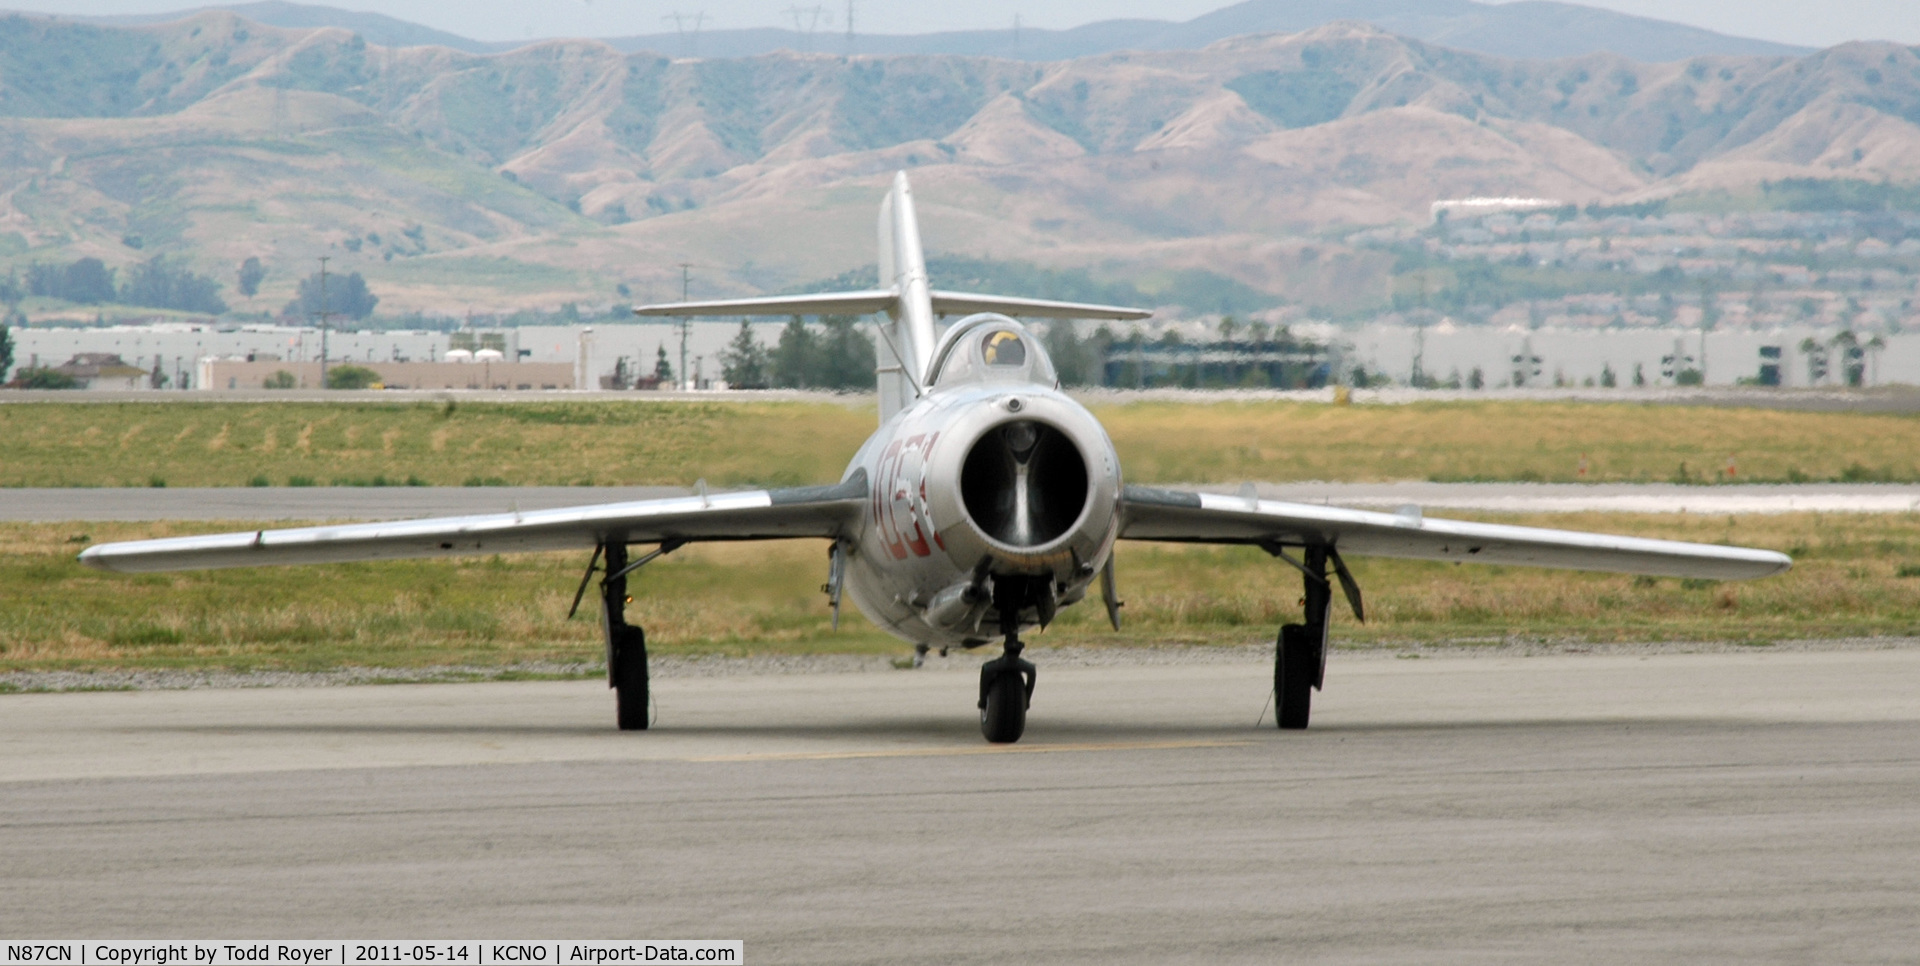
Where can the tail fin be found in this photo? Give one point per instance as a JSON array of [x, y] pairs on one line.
[[904, 346]]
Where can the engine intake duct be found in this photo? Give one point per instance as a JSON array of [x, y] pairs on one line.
[[1024, 483]]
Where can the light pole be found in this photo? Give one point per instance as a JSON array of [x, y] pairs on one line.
[[686, 323], [323, 321]]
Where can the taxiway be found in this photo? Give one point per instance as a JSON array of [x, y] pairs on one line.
[[1663, 808]]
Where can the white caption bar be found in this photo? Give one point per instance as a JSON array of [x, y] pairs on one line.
[[371, 952]]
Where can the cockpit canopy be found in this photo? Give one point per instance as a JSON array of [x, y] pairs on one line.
[[991, 348]]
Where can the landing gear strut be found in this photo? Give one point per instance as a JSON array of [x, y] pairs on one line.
[[1006, 682], [626, 645], [1300, 656]]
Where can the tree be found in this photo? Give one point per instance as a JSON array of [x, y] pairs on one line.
[[251, 273], [662, 369], [159, 285], [352, 377], [281, 379], [744, 364], [157, 379], [346, 295], [847, 356], [43, 379], [797, 360], [6, 350], [87, 281]]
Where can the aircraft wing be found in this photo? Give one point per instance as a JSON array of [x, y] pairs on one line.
[[960, 303], [825, 303], [1151, 513], [812, 511]]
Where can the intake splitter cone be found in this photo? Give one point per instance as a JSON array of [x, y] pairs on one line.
[[1024, 483]]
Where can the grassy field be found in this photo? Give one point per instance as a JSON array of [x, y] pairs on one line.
[[782, 443], [1855, 575]]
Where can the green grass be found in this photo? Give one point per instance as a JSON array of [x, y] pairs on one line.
[[492, 611], [767, 443]]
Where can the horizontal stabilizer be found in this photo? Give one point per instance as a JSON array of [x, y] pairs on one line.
[[960, 303], [825, 303]]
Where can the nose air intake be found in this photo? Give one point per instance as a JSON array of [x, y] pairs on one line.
[[1024, 483]]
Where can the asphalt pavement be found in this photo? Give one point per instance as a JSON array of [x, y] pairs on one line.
[[1746, 807]]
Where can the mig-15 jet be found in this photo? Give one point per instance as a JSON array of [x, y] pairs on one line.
[[986, 501]]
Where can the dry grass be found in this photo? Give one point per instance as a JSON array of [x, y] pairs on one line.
[[778, 443], [429, 444], [1229, 442], [499, 610]]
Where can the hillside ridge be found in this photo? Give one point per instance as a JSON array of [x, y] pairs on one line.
[[561, 171]]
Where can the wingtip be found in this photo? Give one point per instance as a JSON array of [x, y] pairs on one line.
[[92, 558]]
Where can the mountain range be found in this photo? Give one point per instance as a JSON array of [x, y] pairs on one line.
[[566, 170], [1527, 29]]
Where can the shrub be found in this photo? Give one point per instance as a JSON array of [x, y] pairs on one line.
[[352, 377]]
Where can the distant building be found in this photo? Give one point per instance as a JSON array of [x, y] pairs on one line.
[[479, 373], [1475, 207], [103, 370]]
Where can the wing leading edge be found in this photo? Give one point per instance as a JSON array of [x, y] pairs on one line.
[[1179, 516], [816, 511]]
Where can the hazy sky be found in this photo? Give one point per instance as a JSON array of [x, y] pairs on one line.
[[1790, 21]]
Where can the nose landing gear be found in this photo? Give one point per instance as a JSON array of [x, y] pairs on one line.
[[1006, 682], [1006, 691]]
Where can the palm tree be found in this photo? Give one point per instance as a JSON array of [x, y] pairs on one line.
[[1816, 359], [1846, 345]]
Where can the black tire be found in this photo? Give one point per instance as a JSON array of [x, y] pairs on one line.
[[631, 687], [1003, 719], [1294, 671]]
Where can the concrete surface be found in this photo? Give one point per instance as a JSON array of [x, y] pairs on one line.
[[1752, 807], [400, 502]]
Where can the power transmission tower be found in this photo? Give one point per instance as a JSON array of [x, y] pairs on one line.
[[679, 21], [849, 26], [805, 20]]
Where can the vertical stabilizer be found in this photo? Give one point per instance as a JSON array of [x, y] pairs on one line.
[[905, 345]]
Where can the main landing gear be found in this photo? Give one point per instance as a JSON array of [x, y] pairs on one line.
[[1300, 654], [626, 646], [1006, 682], [626, 643]]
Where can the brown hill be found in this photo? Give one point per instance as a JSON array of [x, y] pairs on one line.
[[554, 172]]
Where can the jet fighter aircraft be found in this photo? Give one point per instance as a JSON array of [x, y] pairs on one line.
[[986, 501]]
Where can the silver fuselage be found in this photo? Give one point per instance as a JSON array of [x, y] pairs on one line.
[[920, 545]]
